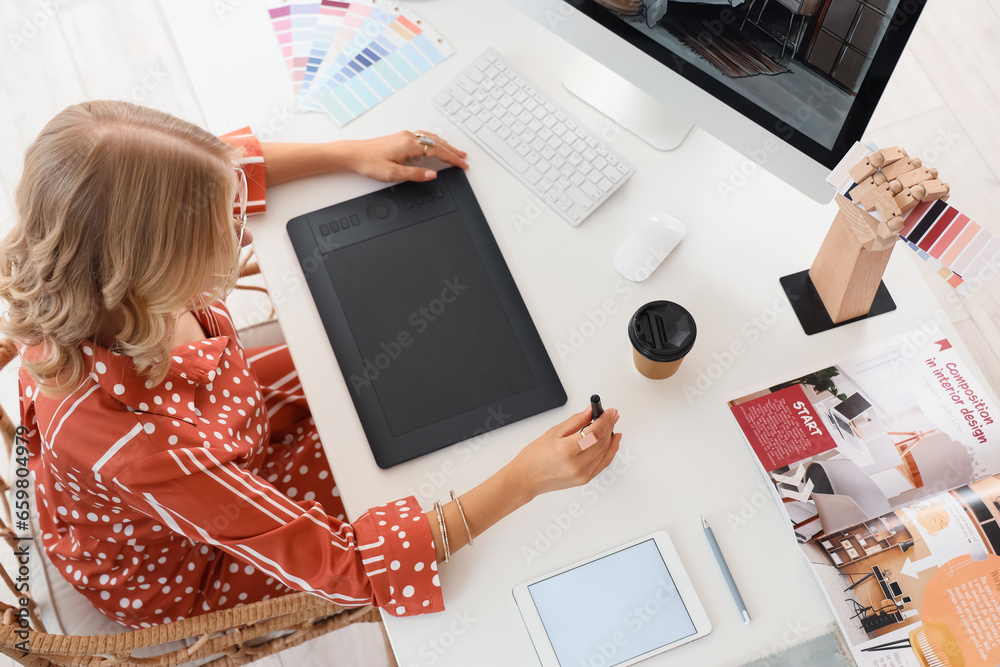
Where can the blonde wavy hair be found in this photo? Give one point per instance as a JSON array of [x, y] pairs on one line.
[[123, 214]]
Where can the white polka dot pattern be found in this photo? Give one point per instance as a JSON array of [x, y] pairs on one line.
[[208, 477]]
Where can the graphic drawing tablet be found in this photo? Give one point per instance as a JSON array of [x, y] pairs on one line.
[[428, 327]]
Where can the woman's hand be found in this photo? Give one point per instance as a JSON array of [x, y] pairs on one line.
[[555, 461], [383, 159]]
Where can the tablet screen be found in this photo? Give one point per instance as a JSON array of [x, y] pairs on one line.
[[426, 286], [613, 609]]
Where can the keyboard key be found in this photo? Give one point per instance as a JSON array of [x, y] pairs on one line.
[[520, 97], [516, 108], [612, 160], [482, 64], [505, 101], [576, 178], [518, 128], [463, 97], [558, 161], [324, 229], [589, 155], [467, 84], [355, 221], [559, 129], [489, 103], [543, 185], [594, 176], [612, 174], [575, 159], [522, 148], [512, 140], [479, 95], [592, 190], [563, 202], [601, 150], [475, 75], [564, 150], [508, 119], [573, 215], [599, 163], [530, 104], [583, 200], [553, 174], [544, 134], [513, 160], [532, 157], [500, 80], [492, 73], [538, 144], [473, 124], [605, 184], [584, 168], [503, 132], [532, 176], [548, 153], [622, 168]]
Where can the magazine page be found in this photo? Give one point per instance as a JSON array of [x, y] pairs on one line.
[[920, 585], [877, 430]]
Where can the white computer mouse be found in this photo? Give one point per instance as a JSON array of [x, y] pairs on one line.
[[648, 246]]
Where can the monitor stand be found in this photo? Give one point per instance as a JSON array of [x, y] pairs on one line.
[[645, 117]]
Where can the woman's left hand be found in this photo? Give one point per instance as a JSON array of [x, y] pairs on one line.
[[383, 159]]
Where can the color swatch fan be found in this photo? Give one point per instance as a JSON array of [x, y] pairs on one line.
[[346, 57]]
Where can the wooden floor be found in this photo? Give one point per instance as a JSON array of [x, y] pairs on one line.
[[941, 104]]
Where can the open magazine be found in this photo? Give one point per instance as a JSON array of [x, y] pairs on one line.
[[887, 465]]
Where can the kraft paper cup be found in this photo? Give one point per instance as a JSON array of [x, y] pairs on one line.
[[661, 333]]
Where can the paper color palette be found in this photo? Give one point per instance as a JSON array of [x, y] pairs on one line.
[[346, 57], [294, 24], [958, 249], [380, 67]]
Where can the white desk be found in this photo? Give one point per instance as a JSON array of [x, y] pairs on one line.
[[680, 457]]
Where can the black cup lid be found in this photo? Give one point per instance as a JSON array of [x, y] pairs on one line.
[[662, 331]]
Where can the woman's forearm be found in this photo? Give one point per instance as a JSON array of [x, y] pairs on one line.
[[483, 506], [553, 461], [289, 162]]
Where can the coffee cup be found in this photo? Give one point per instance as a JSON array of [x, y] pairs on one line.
[[662, 333]]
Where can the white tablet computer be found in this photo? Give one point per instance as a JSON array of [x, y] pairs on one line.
[[613, 609]]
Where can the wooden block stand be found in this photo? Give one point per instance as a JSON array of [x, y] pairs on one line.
[[846, 274]]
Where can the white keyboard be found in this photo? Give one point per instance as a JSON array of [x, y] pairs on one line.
[[552, 153]]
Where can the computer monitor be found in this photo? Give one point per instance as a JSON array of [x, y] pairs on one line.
[[790, 84]]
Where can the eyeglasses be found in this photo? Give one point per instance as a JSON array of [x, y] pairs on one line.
[[241, 204]]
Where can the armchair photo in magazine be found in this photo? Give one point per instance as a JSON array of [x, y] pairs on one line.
[[887, 466]]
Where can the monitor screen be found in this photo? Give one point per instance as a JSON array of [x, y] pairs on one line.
[[809, 71]]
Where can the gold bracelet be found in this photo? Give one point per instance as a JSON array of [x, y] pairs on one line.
[[462, 513], [444, 530]]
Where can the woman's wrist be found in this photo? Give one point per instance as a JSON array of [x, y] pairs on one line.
[[519, 482]]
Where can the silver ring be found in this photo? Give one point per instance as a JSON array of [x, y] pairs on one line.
[[426, 141]]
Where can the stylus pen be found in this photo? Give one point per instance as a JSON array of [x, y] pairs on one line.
[[725, 571], [596, 410]]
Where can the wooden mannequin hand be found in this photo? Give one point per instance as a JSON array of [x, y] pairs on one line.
[[383, 158]]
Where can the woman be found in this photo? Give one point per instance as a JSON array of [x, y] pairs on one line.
[[176, 472]]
